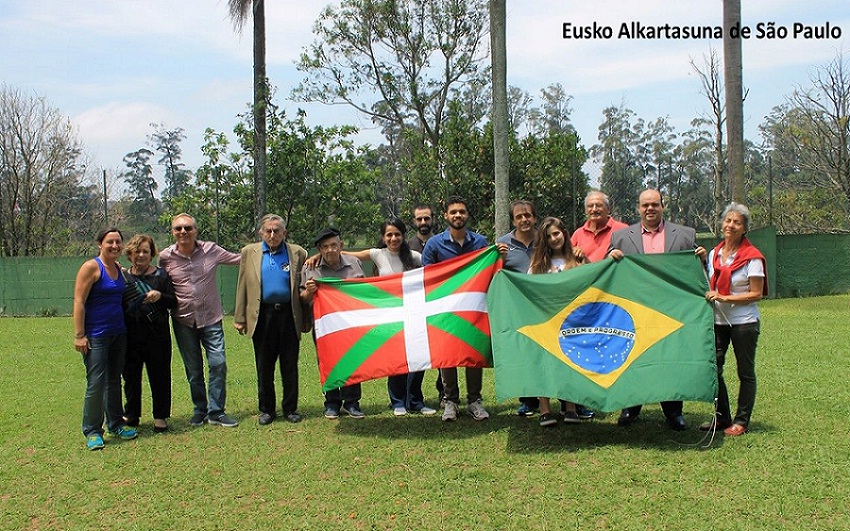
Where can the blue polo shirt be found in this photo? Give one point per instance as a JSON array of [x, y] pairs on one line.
[[442, 247], [274, 275]]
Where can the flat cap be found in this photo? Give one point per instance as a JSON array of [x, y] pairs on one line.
[[328, 232]]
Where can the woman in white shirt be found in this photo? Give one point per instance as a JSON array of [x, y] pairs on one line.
[[737, 281], [394, 255]]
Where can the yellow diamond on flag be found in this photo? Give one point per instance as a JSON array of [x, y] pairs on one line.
[[600, 335]]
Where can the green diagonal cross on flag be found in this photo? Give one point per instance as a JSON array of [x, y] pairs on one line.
[[431, 317]]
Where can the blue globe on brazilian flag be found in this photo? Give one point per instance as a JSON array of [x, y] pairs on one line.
[[608, 335]]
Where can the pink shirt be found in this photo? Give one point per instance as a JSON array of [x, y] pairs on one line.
[[595, 245], [198, 301], [653, 240]]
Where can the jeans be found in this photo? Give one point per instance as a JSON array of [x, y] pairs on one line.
[[148, 345], [104, 363], [276, 341], [744, 339], [343, 396], [189, 341], [405, 391]]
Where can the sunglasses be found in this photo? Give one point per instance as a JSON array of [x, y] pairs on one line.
[[183, 228]]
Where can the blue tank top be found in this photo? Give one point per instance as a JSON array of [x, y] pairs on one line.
[[104, 312]]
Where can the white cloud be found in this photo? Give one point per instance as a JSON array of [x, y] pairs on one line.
[[111, 130]]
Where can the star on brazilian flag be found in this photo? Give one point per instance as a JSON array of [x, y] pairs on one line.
[[608, 335]]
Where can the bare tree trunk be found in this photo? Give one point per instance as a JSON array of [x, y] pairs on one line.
[[733, 82], [260, 100], [498, 57]]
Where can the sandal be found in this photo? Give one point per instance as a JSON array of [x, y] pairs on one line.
[[735, 430]]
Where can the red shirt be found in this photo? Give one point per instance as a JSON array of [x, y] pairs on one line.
[[595, 245]]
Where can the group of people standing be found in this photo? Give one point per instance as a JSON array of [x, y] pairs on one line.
[[121, 315]]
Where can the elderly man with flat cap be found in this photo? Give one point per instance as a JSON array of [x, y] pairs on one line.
[[333, 264]]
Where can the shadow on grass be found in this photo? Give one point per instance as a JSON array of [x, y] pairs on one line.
[[523, 434]]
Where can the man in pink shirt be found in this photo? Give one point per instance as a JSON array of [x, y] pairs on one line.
[[654, 235], [192, 266], [594, 237]]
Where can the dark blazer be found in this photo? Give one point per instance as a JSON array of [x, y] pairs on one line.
[[249, 292], [676, 238]]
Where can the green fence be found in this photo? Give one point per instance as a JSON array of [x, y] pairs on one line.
[[798, 265]]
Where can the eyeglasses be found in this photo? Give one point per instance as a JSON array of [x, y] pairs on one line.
[[183, 228]]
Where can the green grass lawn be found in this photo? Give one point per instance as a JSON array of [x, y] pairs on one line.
[[791, 472]]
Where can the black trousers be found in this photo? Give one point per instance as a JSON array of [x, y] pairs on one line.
[[148, 345], [276, 342], [671, 409]]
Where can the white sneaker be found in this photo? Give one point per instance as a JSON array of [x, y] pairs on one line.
[[427, 411], [399, 411], [477, 410], [450, 412]]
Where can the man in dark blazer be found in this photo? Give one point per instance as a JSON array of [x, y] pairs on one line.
[[269, 310], [654, 235]]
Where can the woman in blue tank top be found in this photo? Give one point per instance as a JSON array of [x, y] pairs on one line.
[[101, 337]]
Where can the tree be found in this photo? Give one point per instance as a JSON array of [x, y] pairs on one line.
[[41, 167], [808, 138], [622, 176], [167, 143], [709, 76], [239, 10], [396, 61], [501, 139], [139, 177], [733, 83], [555, 114]]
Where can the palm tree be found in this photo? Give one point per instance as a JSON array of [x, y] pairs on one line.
[[239, 10], [733, 83], [498, 59]]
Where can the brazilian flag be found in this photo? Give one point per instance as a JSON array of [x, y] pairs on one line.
[[608, 335]]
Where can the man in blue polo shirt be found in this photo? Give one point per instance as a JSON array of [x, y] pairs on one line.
[[452, 242], [269, 310]]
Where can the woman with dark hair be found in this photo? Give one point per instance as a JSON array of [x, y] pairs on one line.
[[393, 255], [737, 274], [100, 335], [148, 297], [553, 253]]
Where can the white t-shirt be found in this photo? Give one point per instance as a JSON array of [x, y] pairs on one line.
[[389, 262], [729, 313]]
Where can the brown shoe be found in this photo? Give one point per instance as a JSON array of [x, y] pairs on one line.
[[735, 430]]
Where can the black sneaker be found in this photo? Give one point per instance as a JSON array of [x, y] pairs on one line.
[[266, 419], [548, 420], [198, 419], [293, 417], [584, 413], [223, 420], [353, 412]]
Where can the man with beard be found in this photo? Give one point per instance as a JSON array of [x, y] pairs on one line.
[[455, 241], [423, 220]]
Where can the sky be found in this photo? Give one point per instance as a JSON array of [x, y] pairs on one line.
[[116, 66]]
